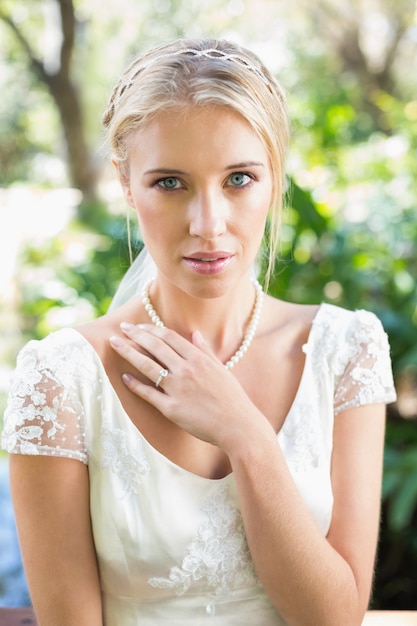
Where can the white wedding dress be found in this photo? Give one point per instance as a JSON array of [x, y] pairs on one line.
[[171, 545]]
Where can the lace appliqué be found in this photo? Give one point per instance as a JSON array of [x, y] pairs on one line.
[[218, 556], [307, 438], [44, 414], [125, 459]]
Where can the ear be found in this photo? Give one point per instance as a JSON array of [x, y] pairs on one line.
[[125, 183]]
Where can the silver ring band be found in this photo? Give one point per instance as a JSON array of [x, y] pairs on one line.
[[162, 374]]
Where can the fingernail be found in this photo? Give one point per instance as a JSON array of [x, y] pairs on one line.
[[115, 341], [127, 378], [199, 336], [126, 326]]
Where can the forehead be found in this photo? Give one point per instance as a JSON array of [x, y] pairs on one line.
[[197, 132]]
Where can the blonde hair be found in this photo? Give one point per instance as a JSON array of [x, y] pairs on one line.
[[200, 72]]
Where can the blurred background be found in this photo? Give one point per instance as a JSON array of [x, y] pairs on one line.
[[350, 232]]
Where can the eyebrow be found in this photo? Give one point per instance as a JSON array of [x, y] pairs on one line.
[[234, 166], [244, 164], [164, 170]]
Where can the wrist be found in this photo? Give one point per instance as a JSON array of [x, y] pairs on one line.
[[250, 439]]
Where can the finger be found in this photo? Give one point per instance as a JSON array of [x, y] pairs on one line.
[[199, 341], [141, 362], [163, 343], [149, 393]]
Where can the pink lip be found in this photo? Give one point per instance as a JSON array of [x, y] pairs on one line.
[[208, 262]]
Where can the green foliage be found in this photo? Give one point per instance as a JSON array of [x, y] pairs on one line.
[[24, 137], [395, 584], [72, 278], [359, 252], [400, 485]]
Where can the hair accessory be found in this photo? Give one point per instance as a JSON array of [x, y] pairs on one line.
[[247, 339], [209, 53], [162, 374]]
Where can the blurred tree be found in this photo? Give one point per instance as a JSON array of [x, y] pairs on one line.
[[61, 85], [369, 41], [350, 43]]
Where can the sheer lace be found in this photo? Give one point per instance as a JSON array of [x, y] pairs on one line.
[[45, 412], [362, 364]]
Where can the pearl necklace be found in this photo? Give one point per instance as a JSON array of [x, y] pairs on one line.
[[247, 338]]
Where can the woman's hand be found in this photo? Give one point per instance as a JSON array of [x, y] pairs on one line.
[[199, 394]]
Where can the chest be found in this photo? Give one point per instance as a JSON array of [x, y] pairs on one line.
[[270, 378]]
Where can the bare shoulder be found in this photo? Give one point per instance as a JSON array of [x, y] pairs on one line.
[[289, 317], [285, 329], [98, 331]]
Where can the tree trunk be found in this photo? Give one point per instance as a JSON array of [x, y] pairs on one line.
[[65, 95], [81, 170]]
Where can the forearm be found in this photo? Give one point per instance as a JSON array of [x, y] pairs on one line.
[[68, 597], [67, 609], [306, 578]]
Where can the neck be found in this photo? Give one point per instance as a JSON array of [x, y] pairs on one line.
[[224, 320]]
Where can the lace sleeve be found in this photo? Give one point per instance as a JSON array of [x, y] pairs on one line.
[[44, 413], [366, 365]]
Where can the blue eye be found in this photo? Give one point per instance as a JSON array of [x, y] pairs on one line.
[[239, 179], [169, 183]]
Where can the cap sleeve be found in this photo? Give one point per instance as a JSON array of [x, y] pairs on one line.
[[44, 413], [366, 376]]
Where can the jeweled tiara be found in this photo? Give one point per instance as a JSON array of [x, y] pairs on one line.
[[210, 53]]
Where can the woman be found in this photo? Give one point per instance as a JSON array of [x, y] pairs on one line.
[[201, 453]]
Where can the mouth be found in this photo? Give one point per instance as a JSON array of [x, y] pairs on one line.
[[212, 263], [208, 257]]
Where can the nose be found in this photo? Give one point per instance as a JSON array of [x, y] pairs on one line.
[[207, 215]]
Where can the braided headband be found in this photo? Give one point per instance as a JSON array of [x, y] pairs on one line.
[[209, 53]]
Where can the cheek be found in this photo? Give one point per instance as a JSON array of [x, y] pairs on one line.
[[254, 226], [160, 229], [145, 208], [150, 226], [261, 207]]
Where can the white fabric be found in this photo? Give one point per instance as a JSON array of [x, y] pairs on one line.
[[142, 270], [170, 544]]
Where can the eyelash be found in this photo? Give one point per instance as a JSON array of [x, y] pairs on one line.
[[160, 181], [247, 174]]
